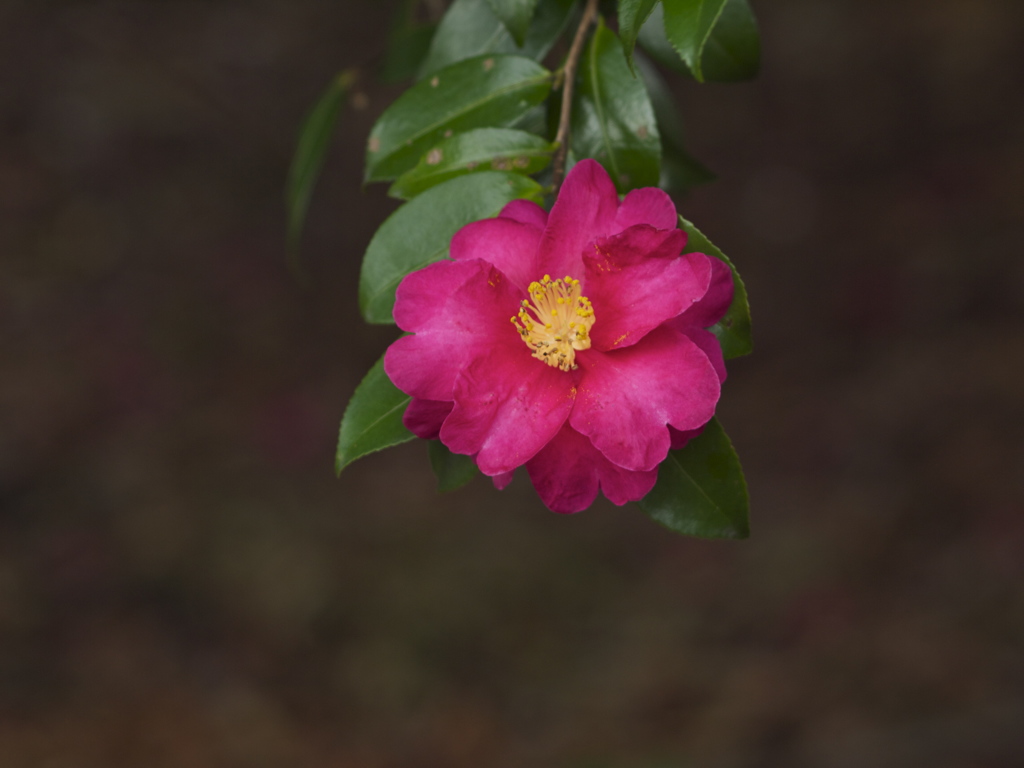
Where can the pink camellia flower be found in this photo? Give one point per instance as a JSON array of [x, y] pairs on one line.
[[573, 343]]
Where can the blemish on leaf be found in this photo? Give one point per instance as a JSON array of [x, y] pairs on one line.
[[471, 165], [501, 164], [434, 156], [642, 132], [521, 162], [374, 144], [488, 63], [434, 81], [448, 133]]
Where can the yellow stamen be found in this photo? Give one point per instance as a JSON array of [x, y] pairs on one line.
[[555, 342]]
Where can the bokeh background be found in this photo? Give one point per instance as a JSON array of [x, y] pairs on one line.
[[183, 582]]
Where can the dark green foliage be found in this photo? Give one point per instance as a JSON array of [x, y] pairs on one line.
[[483, 149], [418, 233], [485, 91], [314, 138], [453, 470], [613, 120], [733, 330], [701, 490], [373, 418]]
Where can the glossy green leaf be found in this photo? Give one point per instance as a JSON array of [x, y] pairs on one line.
[[486, 91], [679, 170], [535, 121], [733, 330], [515, 15], [419, 232], [670, 124], [613, 120], [470, 28], [653, 39], [485, 149], [373, 418], [314, 138], [632, 15], [701, 490], [453, 470], [733, 50], [408, 43], [688, 25]]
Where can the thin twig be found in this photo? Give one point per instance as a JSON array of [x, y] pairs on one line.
[[568, 80]]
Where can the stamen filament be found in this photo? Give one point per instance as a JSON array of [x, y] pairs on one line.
[[566, 330]]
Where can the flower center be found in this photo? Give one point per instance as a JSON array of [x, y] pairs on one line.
[[557, 322]]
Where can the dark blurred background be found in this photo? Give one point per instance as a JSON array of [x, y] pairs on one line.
[[183, 582]]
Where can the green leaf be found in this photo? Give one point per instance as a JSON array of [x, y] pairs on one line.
[[419, 232], [632, 15], [679, 170], [486, 91], [688, 25], [701, 490], [670, 125], [733, 50], [485, 149], [470, 28], [373, 418], [453, 470], [613, 120], [314, 138], [652, 38], [408, 43], [733, 330], [515, 15]]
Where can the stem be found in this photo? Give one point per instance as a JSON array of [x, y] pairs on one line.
[[568, 81]]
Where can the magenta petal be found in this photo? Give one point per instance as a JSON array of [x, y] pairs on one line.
[[649, 205], [457, 310], [502, 480], [715, 303], [419, 298], [680, 437], [584, 211], [709, 345], [637, 280], [424, 417], [627, 397], [569, 470], [507, 244], [525, 212], [507, 407]]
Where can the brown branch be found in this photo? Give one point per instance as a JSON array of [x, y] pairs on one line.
[[568, 81]]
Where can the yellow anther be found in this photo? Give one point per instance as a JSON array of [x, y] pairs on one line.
[[558, 341]]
